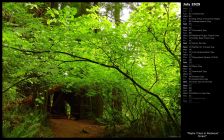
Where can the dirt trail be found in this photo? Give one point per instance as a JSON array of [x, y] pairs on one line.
[[64, 128]]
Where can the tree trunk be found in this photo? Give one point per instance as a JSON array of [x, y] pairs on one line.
[[117, 12], [82, 8], [54, 5]]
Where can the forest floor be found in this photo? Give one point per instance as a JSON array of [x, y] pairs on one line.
[[65, 128]]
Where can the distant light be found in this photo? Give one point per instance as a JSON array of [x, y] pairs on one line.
[[102, 10], [140, 65], [59, 6], [65, 74], [124, 35], [125, 14]]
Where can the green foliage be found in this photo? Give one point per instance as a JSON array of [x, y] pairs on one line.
[[63, 16], [12, 95], [28, 125], [40, 100], [86, 51]]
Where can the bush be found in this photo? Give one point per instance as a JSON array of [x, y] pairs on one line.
[[26, 124]]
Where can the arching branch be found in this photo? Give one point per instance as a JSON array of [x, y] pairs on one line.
[[16, 83], [156, 74], [113, 67]]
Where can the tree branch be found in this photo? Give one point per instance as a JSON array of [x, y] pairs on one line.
[[18, 82], [166, 47], [154, 63], [148, 101], [114, 67]]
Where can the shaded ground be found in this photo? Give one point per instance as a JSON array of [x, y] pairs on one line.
[[76, 128]]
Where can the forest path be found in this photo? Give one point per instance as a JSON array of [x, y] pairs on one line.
[[65, 128]]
